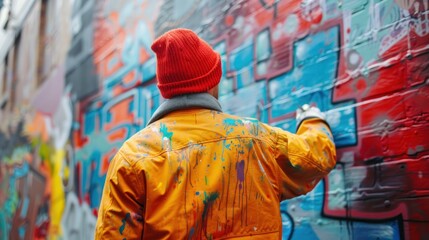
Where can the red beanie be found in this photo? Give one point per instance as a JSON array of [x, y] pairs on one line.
[[185, 63]]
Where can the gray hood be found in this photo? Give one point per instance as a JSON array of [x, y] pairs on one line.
[[198, 100]]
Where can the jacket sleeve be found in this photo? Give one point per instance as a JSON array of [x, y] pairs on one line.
[[304, 158], [121, 211]]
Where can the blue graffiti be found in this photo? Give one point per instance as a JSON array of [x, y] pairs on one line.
[[226, 85], [12, 201], [241, 63], [311, 81], [96, 130], [302, 216], [240, 104]]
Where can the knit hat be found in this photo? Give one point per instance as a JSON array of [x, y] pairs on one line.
[[185, 63]]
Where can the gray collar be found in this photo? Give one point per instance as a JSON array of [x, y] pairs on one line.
[[198, 100]]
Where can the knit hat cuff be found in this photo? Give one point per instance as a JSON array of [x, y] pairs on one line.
[[195, 85]]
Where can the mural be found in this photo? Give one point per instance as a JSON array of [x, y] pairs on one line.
[[365, 63]]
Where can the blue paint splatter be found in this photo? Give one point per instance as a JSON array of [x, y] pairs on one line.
[[327, 132], [165, 133], [227, 146], [230, 123], [124, 221], [164, 130], [191, 233]]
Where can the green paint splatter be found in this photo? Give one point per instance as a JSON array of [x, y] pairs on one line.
[[208, 201], [208, 204], [124, 221], [210, 197], [206, 179]]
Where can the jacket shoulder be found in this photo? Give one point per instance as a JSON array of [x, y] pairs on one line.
[[143, 144], [249, 127]]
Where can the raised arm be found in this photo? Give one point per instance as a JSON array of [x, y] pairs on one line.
[[306, 157]]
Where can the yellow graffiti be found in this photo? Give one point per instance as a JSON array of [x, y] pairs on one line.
[[57, 195]]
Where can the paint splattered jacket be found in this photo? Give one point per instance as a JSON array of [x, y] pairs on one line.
[[198, 173]]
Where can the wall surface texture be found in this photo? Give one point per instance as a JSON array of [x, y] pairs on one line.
[[80, 80]]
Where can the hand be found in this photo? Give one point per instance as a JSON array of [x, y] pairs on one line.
[[307, 111]]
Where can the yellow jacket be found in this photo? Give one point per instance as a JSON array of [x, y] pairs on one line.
[[204, 174]]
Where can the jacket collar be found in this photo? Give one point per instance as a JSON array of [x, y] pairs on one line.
[[198, 100]]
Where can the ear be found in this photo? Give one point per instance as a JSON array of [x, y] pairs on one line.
[[214, 91]]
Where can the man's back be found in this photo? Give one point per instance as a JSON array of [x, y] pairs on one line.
[[203, 174], [197, 173]]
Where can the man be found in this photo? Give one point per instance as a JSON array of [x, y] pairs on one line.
[[197, 173]]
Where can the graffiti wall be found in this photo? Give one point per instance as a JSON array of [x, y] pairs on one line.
[[91, 84]]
